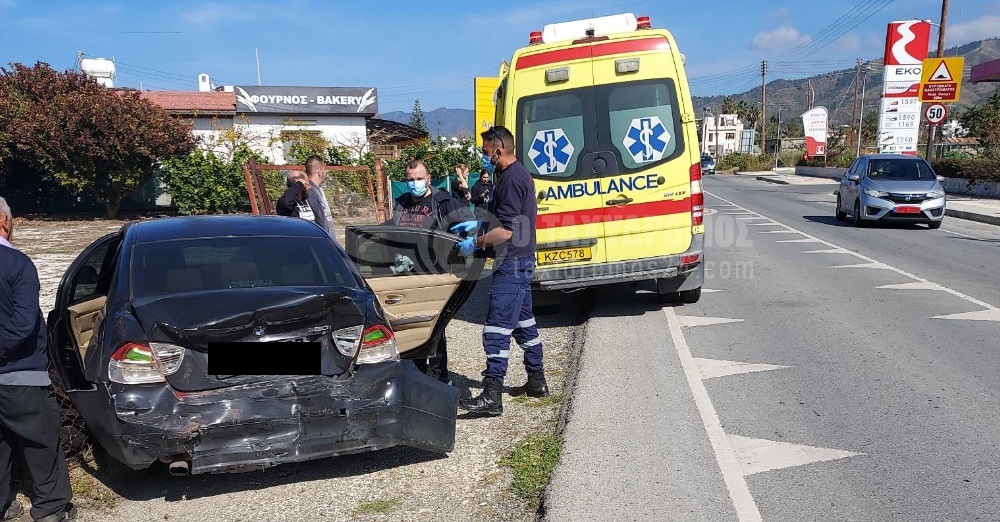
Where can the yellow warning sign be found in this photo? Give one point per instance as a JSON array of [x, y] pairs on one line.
[[941, 79]]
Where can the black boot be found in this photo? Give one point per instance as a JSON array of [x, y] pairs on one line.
[[535, 387], [489, 403]]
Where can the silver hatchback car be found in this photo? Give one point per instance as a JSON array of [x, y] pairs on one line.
[[891, 187]]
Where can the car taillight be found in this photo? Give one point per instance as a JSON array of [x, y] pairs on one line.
[[377, 345], [135, 363], [690, 259], [348, 339], [697, 197]]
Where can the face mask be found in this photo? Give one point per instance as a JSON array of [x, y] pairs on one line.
[[488, 164], [417, 187]]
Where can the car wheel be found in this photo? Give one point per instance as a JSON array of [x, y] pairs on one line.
[[841, 215], [934, 225], [682, 297], [858, 221]]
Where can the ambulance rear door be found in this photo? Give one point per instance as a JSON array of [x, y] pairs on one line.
[[555, 129], [638, 106]]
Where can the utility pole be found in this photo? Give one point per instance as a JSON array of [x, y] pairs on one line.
[[861, 117], [256, 59], [931, 129], [857, 85], [763, 105], [810, 94], [777, 141]]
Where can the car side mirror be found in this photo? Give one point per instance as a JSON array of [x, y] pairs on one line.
[[940, 179], [854, 178]]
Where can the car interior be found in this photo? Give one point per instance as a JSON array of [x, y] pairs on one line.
[[83, 314], [411, 284]]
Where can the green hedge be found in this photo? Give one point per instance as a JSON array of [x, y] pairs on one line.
[[743, 162], [977, 169]]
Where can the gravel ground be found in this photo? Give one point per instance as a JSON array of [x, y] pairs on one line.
[[394, 484]]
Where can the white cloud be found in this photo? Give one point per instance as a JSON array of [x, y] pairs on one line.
[[848, 43], [986, 26], [781, 38]]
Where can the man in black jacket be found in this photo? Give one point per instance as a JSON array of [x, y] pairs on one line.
[[423, 206], [29, 416], [299, 200]]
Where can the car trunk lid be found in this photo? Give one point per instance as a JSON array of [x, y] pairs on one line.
[[193, 320]]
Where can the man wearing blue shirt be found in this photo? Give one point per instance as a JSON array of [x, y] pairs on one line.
[[29, 416], [510, 240]]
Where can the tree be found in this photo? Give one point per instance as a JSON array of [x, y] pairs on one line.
[[417, 118], [983, 123], [794, 128], [207, 183], [730, 106], [87, 137]]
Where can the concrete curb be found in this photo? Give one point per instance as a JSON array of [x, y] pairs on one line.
[[772, 180], [971, 216]]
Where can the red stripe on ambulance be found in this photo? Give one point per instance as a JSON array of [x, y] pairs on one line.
[[586, 51], [601, 215]]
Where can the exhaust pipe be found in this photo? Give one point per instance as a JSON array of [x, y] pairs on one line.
[[179, 468]]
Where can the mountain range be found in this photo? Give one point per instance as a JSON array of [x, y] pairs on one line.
[[833, 90]]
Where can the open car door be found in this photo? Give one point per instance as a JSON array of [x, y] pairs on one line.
[[79, 310], [420, 278]]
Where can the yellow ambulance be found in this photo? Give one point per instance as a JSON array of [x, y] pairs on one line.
[[602, 117]]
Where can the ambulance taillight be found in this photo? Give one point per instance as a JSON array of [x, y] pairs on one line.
[[643, 22], [697, 196], [535, 37]]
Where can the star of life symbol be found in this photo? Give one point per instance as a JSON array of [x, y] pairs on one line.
[[646, 139], [551, 151]]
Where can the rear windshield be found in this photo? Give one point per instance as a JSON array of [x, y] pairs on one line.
[[900, 170], [193, 265], [638, 122]]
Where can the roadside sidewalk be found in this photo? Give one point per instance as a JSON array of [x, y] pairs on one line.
[[971, 208]]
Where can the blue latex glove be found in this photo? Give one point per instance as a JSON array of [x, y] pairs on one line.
[[465, 227], [467, 246]]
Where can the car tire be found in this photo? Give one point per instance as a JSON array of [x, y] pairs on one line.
[[934, 225], [857, 219], [683, 297], [840, 215]]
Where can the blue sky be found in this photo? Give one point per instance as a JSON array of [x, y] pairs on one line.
[[431, 50]]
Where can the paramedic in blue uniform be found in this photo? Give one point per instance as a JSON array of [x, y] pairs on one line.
[[510, 240]]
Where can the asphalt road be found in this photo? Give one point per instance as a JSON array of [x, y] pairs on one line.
[[798, 389]]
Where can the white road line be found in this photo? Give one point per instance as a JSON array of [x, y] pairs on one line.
[[955, 293], [725, 456], [961, 234]]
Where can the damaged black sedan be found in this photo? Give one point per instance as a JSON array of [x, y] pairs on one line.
[[231, 343]]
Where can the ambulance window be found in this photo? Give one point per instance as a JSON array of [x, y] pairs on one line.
[[644, 121], [551, 133]]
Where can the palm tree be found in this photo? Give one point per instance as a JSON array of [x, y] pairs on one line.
[[729, 106]]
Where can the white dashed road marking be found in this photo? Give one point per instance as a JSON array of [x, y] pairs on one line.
[[757, 455], [877, 266], [712, 368], [697, 320], [911, 286], [916, 278], [806, 240], [979, 315], [827, 251]]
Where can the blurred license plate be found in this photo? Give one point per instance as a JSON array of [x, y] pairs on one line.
[[563, 255], [908, 210]]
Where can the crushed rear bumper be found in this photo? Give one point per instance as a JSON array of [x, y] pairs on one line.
[[286, 420]]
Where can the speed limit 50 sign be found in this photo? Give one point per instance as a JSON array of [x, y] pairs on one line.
[[935, 113]]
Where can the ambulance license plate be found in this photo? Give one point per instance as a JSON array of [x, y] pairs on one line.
[[563, 255]]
